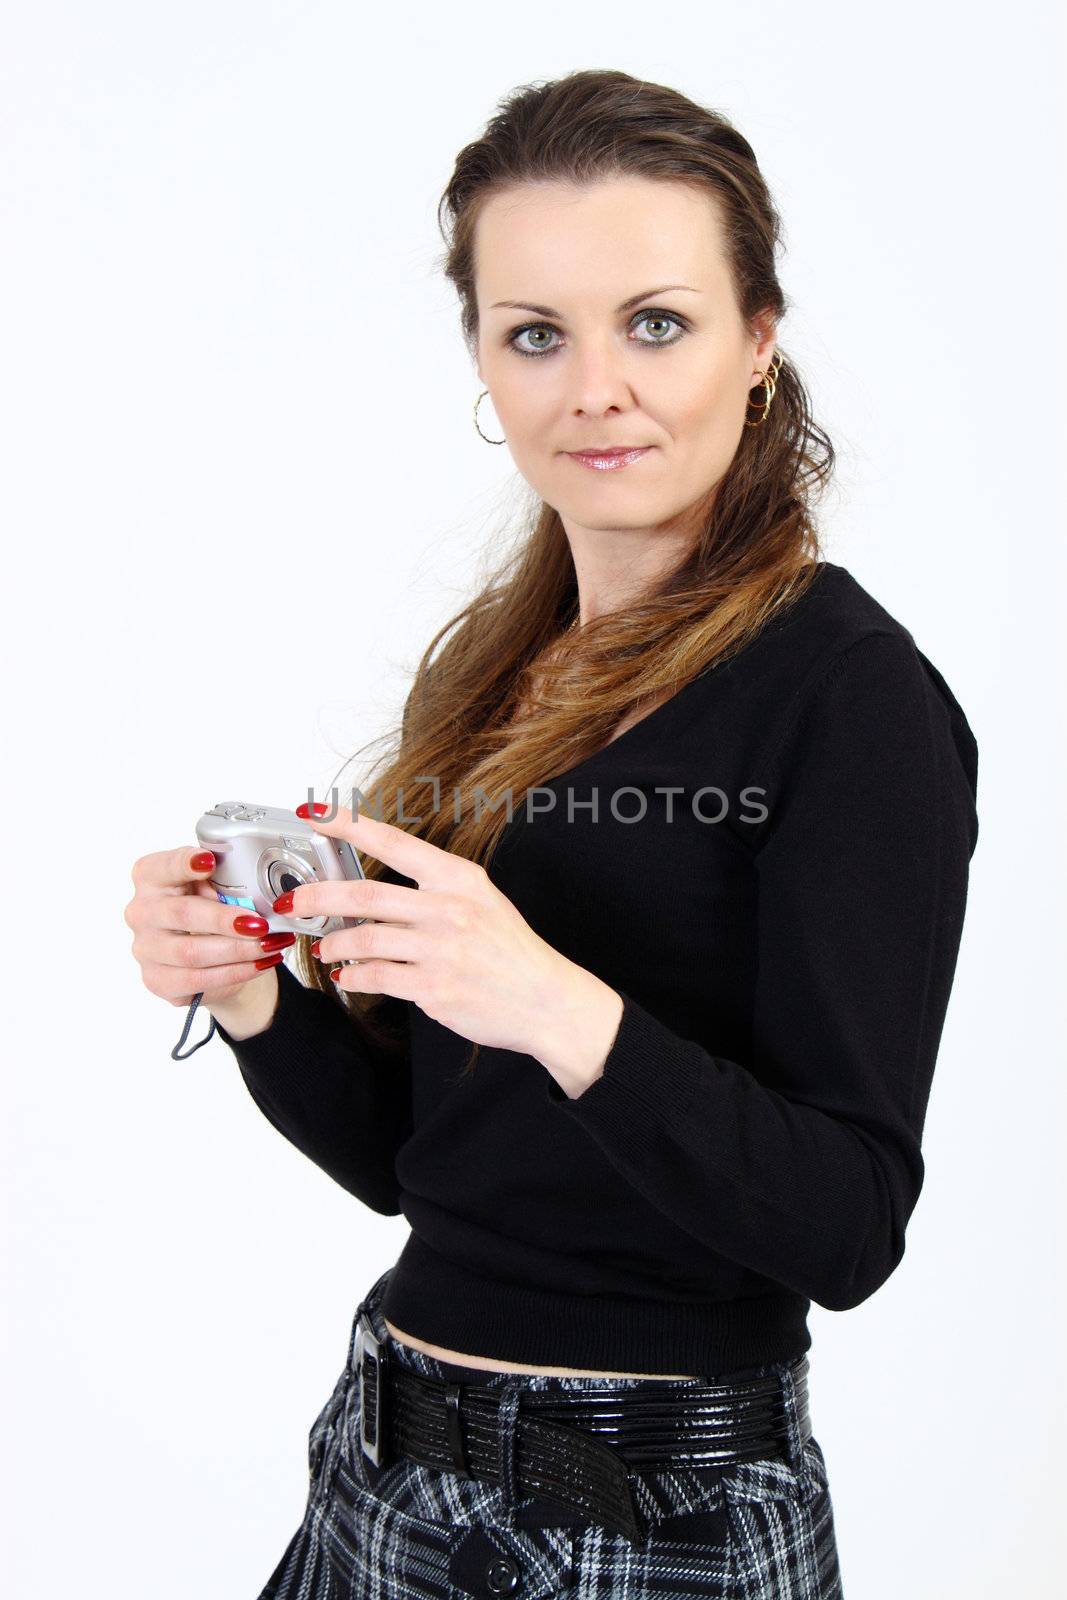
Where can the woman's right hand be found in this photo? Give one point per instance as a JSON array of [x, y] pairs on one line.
[[186, 940]]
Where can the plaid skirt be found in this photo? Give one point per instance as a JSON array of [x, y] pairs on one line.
[[408, 1532]]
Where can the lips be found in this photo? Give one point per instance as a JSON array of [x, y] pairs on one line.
[[615, 459]]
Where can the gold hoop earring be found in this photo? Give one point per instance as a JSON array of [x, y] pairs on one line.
[[477, 403], [769, 382]]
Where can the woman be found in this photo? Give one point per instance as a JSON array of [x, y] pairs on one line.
[[687, 820]]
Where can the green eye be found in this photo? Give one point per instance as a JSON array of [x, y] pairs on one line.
[[642, 316]]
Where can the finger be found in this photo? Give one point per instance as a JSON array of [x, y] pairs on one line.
[[382, 939], [354, 897], [180, 984], [427, 864], [379, 977], [166, 949], [195, 913], [173, 869]]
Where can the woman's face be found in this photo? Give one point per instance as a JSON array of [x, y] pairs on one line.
[[671, 371]]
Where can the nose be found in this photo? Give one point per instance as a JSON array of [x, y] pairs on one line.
[[598, 379]]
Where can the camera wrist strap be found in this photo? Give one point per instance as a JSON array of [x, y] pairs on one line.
[[175, 1055]]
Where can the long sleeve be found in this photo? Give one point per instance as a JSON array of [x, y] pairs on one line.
[[343, 1103], [804, 1162]]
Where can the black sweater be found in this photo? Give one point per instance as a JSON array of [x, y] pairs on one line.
[[782, 922]]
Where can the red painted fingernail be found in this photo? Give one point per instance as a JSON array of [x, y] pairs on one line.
[[268, 961], [247, 923], [203, 861], [277, 941], [315, 809], [335, 974], [315, 947], [284, 902]]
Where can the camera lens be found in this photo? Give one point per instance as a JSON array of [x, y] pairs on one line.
[[283, 876]]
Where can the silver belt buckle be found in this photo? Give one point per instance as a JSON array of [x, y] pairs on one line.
[[371, 1362]]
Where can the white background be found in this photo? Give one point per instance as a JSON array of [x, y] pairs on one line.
[[241, 487]]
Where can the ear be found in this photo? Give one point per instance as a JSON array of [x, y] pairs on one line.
[[764, 332]]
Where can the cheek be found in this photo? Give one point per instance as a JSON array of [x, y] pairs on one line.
[[527, 410], [712, 420]]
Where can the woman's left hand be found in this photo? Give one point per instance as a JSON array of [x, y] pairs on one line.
[[455, 945]]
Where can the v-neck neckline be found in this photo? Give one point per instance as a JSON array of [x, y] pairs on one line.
[[651, 720], [665, 714], [661, 714]]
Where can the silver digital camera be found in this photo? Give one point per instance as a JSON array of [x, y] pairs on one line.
[[262, 851]]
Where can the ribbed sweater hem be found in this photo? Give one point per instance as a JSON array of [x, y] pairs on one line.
[[444, 1304]]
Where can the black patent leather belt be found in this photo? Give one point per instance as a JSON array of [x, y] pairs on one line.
[[576, 1452]]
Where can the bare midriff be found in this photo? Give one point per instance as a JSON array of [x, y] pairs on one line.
[[489, 1364]]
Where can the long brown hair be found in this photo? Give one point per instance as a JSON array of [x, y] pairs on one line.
[[755, 548]]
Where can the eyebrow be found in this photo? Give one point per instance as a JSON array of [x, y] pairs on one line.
[[547, 311]]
